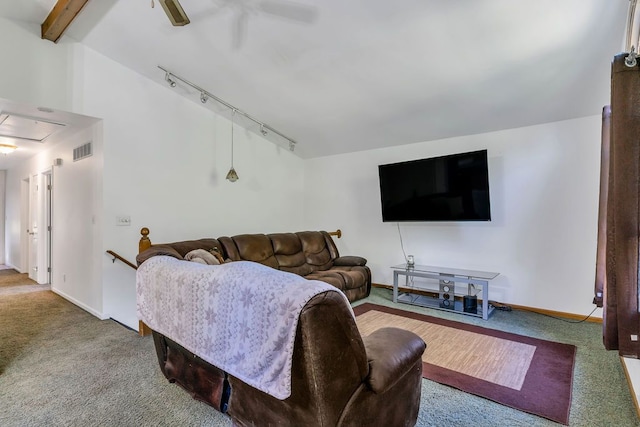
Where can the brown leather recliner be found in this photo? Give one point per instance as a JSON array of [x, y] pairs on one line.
[[311, 254], [338, 377]]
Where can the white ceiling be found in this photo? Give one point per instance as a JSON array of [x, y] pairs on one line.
[[341, 76]]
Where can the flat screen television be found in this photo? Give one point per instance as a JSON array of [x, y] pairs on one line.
[[448, 188]]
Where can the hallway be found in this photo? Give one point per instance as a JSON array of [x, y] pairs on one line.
[[12, 282]]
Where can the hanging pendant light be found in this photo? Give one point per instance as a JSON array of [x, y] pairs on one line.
[[232, 175]]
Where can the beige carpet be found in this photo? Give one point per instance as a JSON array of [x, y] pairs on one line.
[[10, 277], [12, 282], [488, 358]]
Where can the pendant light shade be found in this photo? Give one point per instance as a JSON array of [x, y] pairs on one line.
[[232, 175]]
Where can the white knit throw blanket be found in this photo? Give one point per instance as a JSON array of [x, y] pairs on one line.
[[240, 316]]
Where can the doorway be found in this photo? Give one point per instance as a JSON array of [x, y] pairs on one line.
[[36, 219]]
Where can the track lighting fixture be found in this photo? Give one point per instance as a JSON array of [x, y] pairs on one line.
[[205, 95], [169, 80]]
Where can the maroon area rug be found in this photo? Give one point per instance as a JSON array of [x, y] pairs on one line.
[[546, 389]]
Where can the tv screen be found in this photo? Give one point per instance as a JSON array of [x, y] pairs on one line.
[[447, 188]]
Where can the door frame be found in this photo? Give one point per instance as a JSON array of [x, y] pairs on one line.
[[38, 206]]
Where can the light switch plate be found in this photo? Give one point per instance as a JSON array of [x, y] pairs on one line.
[[123, 220]]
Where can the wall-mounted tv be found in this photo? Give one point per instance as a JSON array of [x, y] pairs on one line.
[[448, 188]]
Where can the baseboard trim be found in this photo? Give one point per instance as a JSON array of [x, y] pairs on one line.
[[78, 303], [560, 314], [15, 268]]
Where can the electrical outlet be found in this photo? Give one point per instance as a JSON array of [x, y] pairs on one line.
[[123, 220]]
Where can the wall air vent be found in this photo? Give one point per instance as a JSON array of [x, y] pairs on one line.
[[82, 151]]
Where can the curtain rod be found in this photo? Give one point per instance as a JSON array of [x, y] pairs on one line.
[[630, 22], [630, 60], [264, 128]]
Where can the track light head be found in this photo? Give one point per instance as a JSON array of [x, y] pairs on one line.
[[168, 79], [203, 97], [292, 146], [263, 131]]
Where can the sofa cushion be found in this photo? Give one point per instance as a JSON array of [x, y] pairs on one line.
[[287, 249], [316, 250], [250, 247], [331, 277]]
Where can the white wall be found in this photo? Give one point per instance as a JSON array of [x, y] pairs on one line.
[[34, 71], [165, 161], [158, 157], [161, 159], [3, 178], [74, 209], [544, 197]]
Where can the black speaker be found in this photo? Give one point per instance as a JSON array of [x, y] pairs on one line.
[[470, 304], [447, 297]]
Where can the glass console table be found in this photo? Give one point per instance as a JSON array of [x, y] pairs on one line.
[[446, 300]]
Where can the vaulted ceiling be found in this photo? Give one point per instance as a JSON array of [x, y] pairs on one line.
[[341, 76]]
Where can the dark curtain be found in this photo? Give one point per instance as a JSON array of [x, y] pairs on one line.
[[618, 242]]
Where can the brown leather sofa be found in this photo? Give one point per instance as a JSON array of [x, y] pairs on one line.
[[311, 254], [338, 377]]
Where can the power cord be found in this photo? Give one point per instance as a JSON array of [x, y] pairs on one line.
[[410, 281], [401, 242], [503, 307]]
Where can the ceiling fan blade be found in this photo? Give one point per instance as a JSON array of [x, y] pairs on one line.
[[174, 12], [290, 10], [240, 29]]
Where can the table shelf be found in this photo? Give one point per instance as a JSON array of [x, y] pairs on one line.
[[434, 302], [447, 278]]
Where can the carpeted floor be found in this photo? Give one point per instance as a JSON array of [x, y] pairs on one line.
[[10, 277], [13, 282], [60, 366]]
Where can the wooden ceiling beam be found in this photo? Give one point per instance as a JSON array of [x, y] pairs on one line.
[[60, 17]]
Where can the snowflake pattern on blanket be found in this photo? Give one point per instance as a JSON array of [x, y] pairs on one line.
[[240, 316]]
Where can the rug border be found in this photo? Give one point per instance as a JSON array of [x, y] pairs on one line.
[[532, 398]]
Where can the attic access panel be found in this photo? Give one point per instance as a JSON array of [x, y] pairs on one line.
[[27, 128]]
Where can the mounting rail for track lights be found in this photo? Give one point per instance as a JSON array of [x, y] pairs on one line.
[[206, 95], [168, 79]]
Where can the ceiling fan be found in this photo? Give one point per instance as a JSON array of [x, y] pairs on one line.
[[287, 9], [174, 12]]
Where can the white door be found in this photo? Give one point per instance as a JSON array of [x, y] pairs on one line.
[[48, 211], [33, 227], [25, 195]]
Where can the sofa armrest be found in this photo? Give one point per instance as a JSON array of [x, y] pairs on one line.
[[347, 261], [157, 250], [391, 352]]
